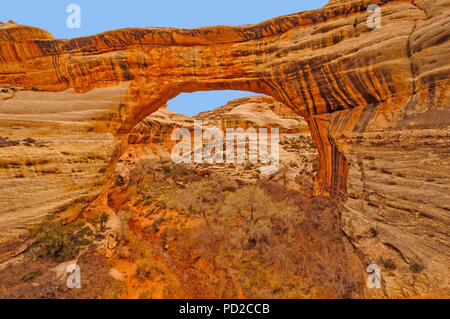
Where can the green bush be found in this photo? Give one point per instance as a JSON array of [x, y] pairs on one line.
[[58, 241]]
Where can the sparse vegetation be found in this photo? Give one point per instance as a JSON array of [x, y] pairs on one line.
[[31, 275], [132, 246], [416, 267], [167, 169], [60, 242], [254, 235], [246, 233], [315, 164], [387, 263], [6, 142], [103, 220], [29, 140]]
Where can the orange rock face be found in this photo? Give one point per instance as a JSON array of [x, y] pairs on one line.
[[374, 100], [316, 62]]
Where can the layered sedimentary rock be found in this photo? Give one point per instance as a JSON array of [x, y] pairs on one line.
[[376, 102], [255, 112], [157, 128], [52, 159], [249, 112]]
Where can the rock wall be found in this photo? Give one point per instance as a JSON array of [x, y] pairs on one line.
[[376, 102]]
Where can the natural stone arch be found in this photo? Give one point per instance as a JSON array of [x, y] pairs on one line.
[[161, 63], [307, 60]]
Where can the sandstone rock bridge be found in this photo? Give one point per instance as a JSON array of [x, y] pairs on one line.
[[376, 101]]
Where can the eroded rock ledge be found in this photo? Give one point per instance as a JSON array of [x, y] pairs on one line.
[[375, 100]]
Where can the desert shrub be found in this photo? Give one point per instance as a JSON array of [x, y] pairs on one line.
[[324, 254], [273, 241], [31, 275], [58, 241], [157, 223], [246, 234], [416, 267], [227, 185], [29, 140], [387, 263], [143, 255], [315, 164], [252, 220], [180, 170], [103, 220], [146, 294], [146, 265], [148, 202], [200, 197], [278, 192], [134, 247], [373, 231], [167, 169], [6, 142], [99, 221]]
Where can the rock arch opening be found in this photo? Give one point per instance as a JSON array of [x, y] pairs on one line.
[[331, 168], [250, 138], [201, 101]]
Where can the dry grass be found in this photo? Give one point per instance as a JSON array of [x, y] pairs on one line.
[[276, 243]]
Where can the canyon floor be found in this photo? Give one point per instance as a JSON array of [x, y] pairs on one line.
[[165, 230]]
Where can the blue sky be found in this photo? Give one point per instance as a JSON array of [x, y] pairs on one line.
[[101, 15]]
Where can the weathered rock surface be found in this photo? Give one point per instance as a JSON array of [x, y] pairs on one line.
[[376, 102], [53, 158], [255, 112]]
